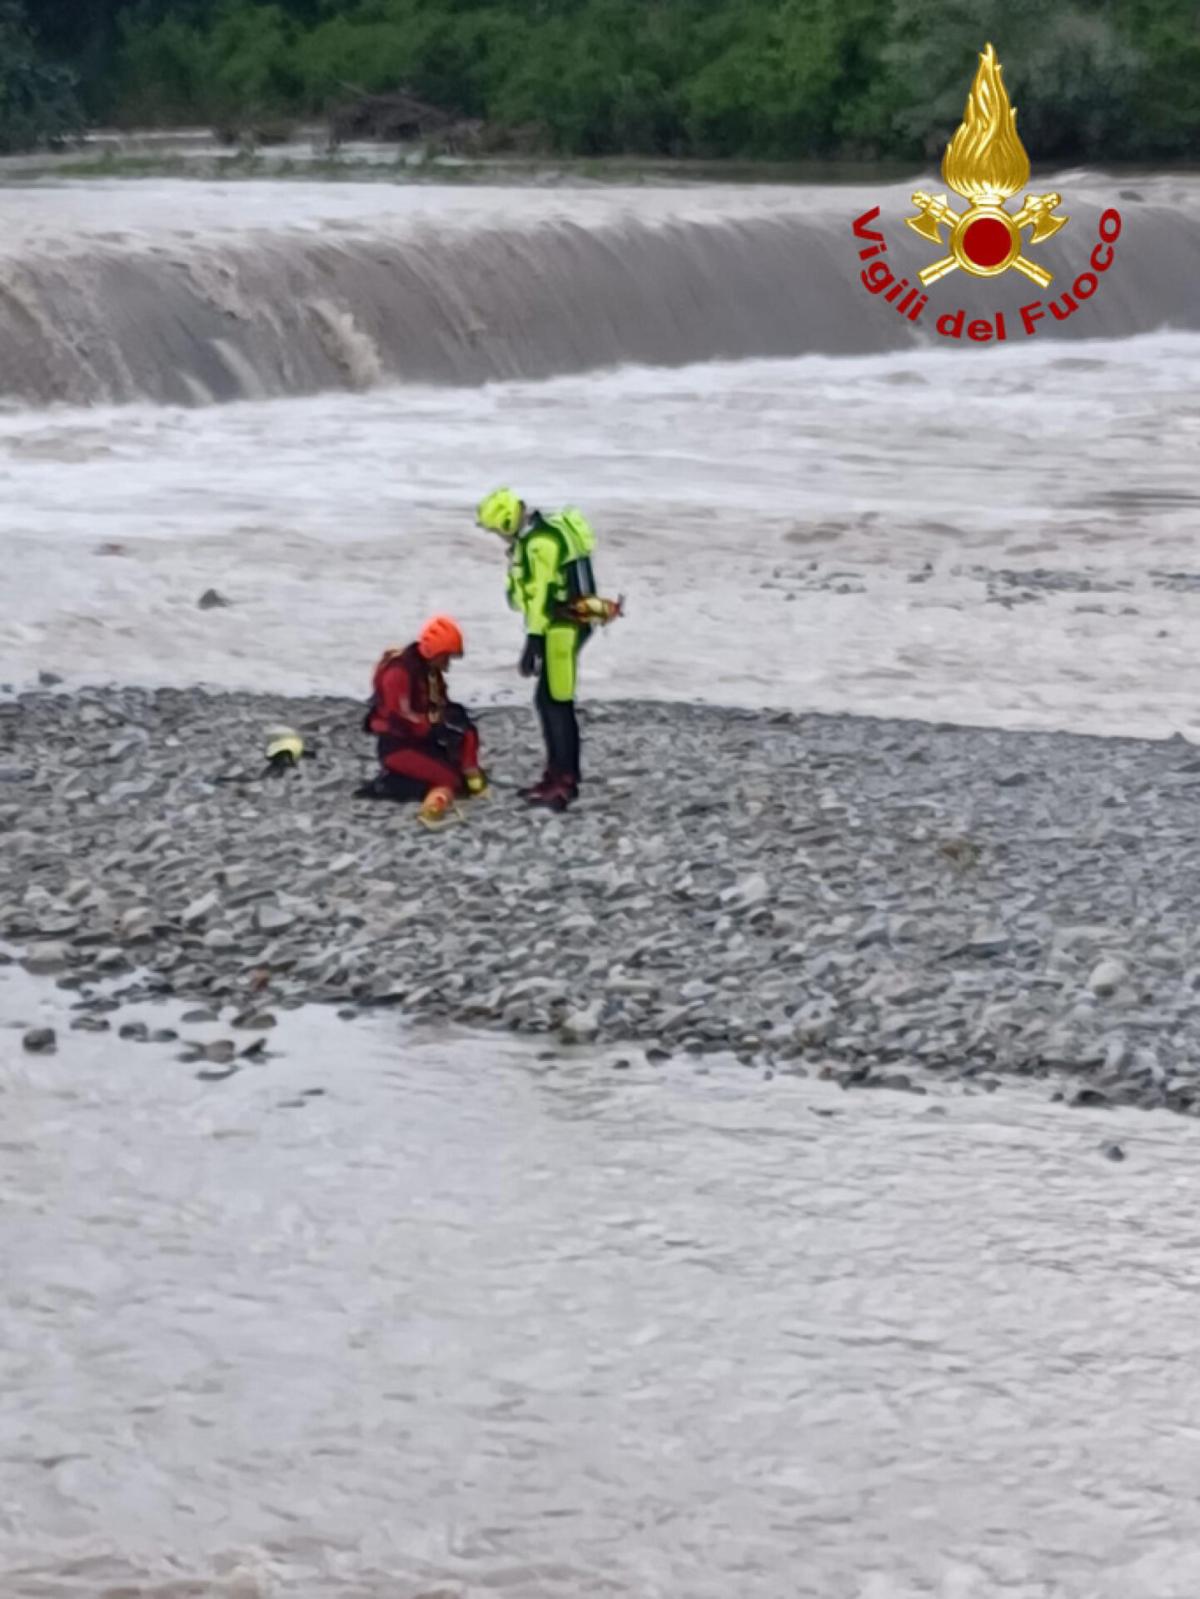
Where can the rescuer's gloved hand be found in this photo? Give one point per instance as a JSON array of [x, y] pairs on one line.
[[531, 660]]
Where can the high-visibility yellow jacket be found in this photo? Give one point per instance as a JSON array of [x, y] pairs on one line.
[[550, 565]]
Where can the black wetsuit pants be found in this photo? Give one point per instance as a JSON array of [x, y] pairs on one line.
[[560, 725], [560, 730]]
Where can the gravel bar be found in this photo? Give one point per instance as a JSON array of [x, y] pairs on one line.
[[884, 902]]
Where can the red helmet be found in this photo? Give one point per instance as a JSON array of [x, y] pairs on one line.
[[440, 636]]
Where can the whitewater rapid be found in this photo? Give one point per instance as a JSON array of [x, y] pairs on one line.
[[820, 534]]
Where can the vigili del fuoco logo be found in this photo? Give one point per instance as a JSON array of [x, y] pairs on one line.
[[986, 163]]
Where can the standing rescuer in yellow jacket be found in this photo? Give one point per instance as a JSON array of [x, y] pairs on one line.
[[550, 582]]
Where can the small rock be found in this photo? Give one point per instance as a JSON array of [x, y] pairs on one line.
[[40, 1041], [580, 1027], [97, 1007], [696, 988], [1112, 1151], [210, 600], [1106, 978], [137, 1031], [221, 1052], [1091, 1096], [197, 1018], [137, 924], [750, 890], [49, 679], [45, 958], [273, 919], [200, 908], [258, 1021], [90, 1024]]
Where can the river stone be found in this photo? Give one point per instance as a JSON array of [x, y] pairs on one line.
[[201, 908], [580, 1027], [40, 1041], [137, 924], [750, 890], [257, 1021], [273, 919], [45, 959], [1106, 978]]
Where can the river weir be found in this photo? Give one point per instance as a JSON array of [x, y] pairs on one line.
[[420, 286]]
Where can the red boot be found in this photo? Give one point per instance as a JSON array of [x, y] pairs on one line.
[[536, 788], [554, 793]]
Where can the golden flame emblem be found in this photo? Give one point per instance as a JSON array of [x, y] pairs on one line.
[[986, 163]]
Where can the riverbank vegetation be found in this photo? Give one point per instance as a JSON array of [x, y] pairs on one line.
[[1093, 80]]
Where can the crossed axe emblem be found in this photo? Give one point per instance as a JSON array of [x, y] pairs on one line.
[[1037, 213]]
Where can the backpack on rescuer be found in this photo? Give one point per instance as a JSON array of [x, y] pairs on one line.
[[373, 704], [578, 600], [435, 687]]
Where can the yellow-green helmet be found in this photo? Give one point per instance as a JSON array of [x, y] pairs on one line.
[[285, 747], [501, 512]]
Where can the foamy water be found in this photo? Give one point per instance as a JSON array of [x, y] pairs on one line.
[[721, 493]]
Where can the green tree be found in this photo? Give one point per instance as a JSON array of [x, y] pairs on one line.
[[1069, 73], [789, 78], [1092, 79], [1165, 100], [37, 99]]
